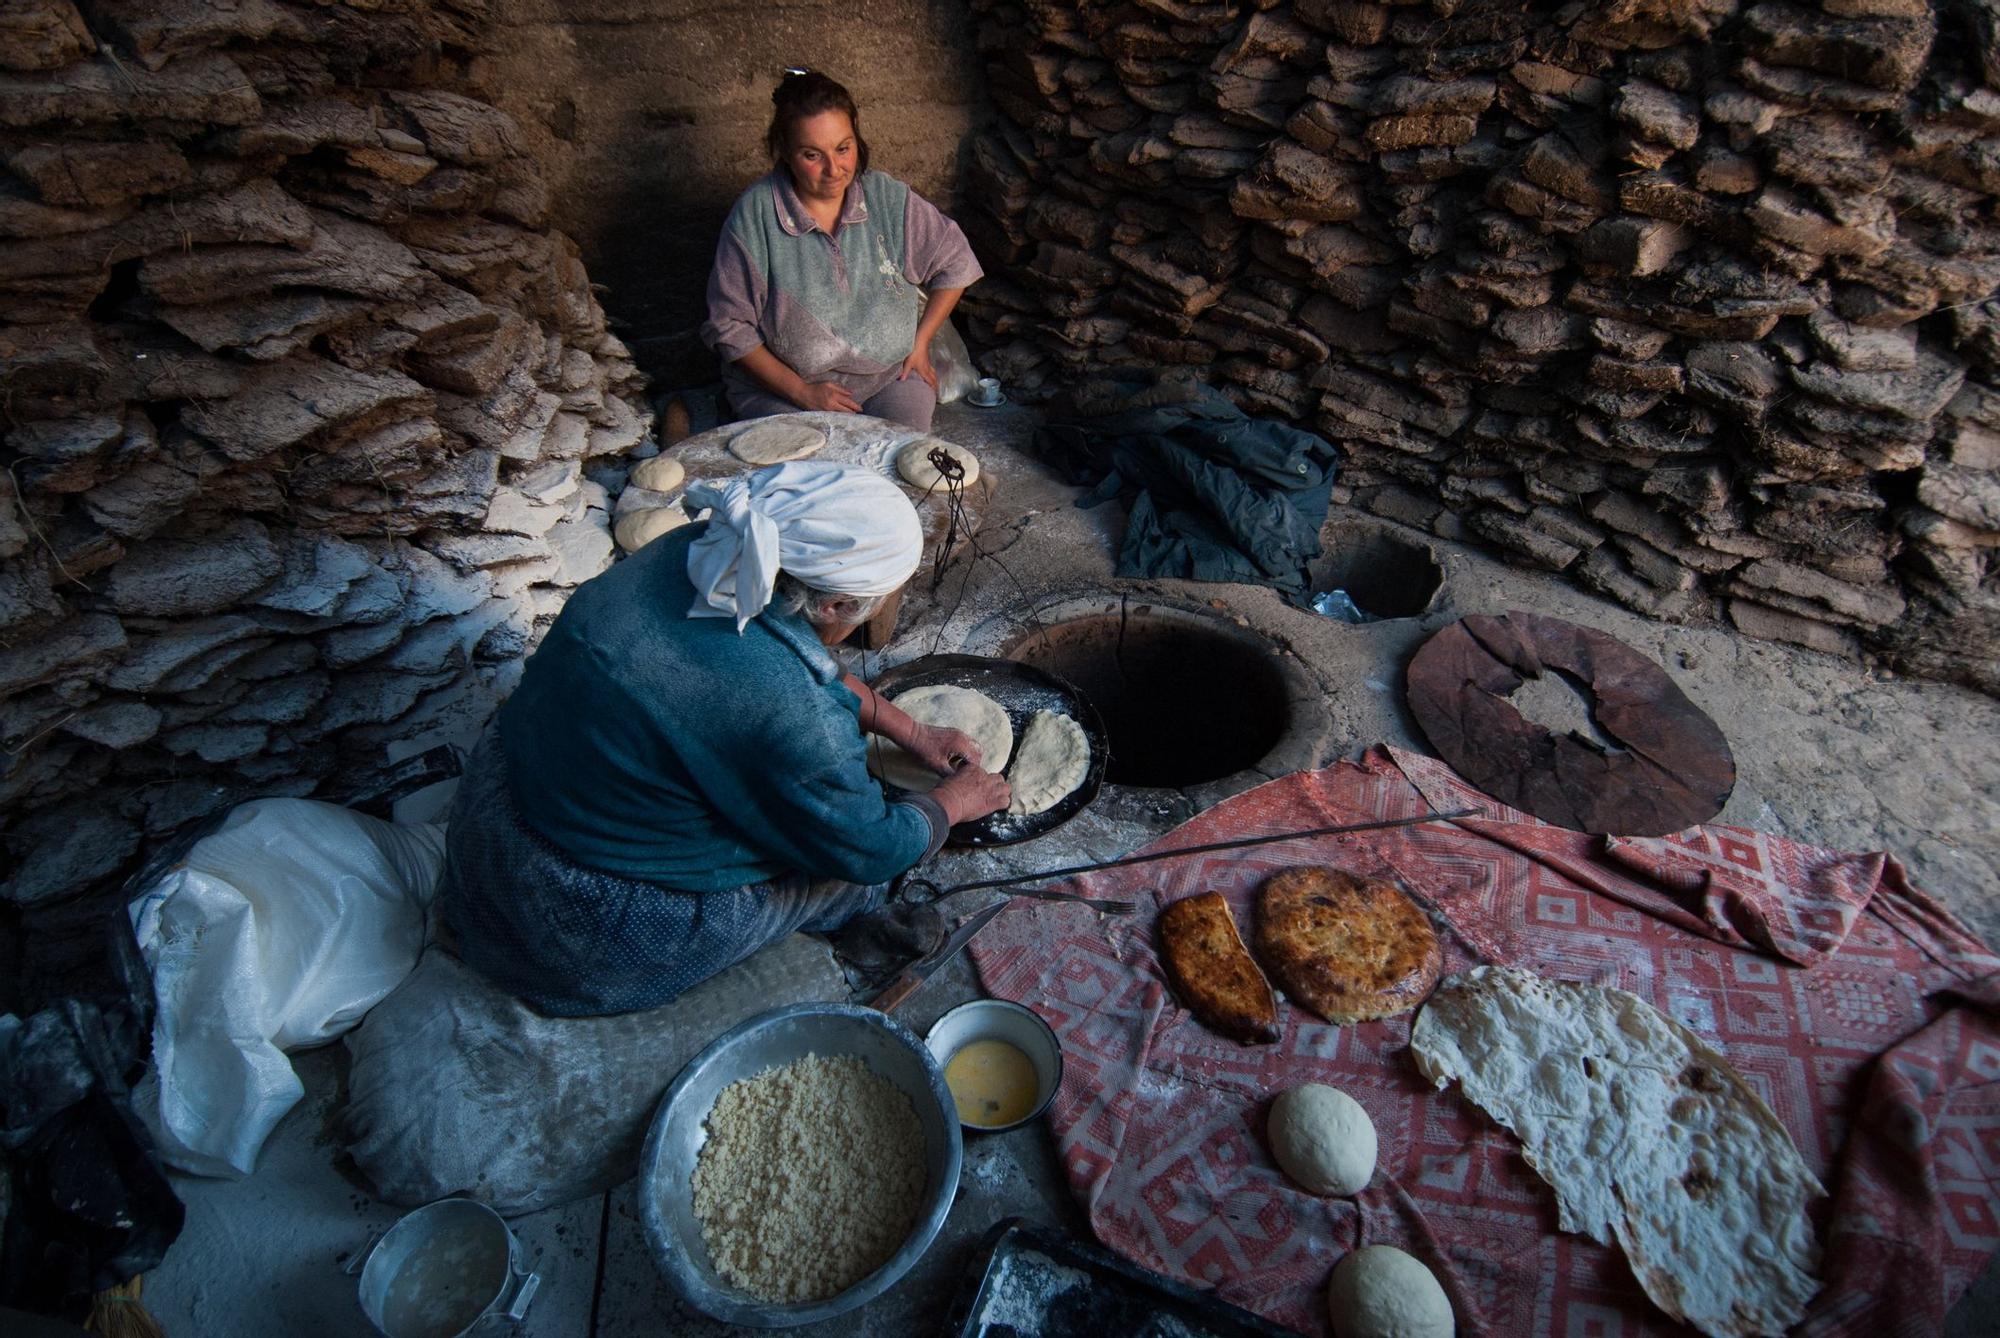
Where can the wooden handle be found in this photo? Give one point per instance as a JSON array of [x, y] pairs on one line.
[[899, 989]]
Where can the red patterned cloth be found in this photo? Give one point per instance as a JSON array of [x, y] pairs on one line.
[[1880, 1057]]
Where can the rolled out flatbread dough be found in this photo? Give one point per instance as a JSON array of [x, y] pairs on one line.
[[1052, 760], [954, 708], [662, 473], [636, 529], [913, 462], [776, 441]]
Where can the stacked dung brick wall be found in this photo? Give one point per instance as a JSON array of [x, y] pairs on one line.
[[300, 400], [1690, 299]]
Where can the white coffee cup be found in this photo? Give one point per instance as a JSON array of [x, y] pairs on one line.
[[987, 391]]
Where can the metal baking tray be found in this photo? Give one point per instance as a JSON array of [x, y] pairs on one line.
[[1030, 1282], [1021, 690]]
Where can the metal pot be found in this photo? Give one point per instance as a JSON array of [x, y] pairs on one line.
[[769, 1040], [443, 1271]]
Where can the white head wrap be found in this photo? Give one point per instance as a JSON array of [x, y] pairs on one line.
[[842, 528]]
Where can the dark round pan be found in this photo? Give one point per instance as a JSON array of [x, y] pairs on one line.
[[1021, 690]]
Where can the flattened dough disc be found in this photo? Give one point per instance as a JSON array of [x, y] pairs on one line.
[[775, 441], [955, 708], [1051, 761], [913, 462]]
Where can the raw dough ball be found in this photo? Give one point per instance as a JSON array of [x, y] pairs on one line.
[[954, 708], [1380, 1292], [662, 473], [913, 462], [636, 529], [1323, 1139], [775, 441], [1052, 760]]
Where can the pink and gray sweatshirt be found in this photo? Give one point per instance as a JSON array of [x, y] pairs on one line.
[[839, 308]]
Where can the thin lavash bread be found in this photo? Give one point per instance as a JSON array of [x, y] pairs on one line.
[[1645, 1133]]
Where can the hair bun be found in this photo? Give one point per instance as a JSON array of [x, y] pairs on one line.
[[787, 78]]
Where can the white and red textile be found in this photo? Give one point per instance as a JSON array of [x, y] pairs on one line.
[[1864, 1014]]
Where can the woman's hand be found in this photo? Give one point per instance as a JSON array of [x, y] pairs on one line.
[[825, 396], [942, 750], [919, 362], [769, 371], [936, 310], [970, 793]]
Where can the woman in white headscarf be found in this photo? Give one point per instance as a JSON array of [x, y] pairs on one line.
[[681, 776]]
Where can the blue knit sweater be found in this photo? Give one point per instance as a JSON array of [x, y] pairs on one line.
[[646, 743]]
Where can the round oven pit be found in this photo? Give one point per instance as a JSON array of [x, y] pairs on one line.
[[1385, 574], [1186, 699]]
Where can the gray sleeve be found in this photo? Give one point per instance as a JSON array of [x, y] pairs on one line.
[[735, 300], [938, 255], [933, 813]]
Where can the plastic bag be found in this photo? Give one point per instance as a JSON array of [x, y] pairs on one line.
[[951, 360], [1339, 604], [278, 930], [83, 1204]]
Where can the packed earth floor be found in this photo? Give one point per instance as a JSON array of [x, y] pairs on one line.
[[1826, 751]]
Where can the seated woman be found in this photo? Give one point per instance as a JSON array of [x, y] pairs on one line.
[[681, 776], [813, 301]]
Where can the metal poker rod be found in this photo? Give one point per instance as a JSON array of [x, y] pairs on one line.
[[1212, 846]]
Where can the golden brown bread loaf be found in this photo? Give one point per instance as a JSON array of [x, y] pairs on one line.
[[1347, 948], [1213, 973]]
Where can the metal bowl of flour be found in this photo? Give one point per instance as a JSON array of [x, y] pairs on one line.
[[772, 1040]]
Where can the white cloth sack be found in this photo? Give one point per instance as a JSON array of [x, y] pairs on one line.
[[277, 931], [454, 1086]]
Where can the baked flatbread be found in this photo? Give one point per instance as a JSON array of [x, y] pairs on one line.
[[954, 708], [1052, 760], [1647, 1135], [1347, 948], [914, 464], [774, 441], [1213, 973]]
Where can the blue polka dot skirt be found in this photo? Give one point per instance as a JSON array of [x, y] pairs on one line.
[[572, 941]]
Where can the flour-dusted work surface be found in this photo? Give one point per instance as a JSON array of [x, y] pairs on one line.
[[735, 449]]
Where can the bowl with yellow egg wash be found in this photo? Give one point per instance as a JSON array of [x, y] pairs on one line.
[[1001, 1062]]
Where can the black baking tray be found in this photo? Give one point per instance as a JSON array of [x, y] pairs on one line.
[[1030, 1282], [1021, 690]]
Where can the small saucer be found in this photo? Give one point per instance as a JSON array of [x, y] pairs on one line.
[[998, 399]]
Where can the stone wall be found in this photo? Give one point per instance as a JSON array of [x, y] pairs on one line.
[[1691, 299], [300, 401], [648, 118]]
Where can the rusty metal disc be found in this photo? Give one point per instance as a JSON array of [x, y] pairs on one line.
[[1670, 767]]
